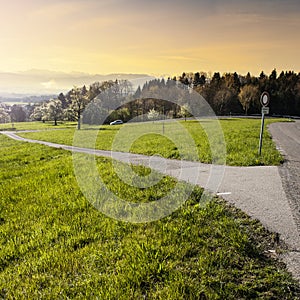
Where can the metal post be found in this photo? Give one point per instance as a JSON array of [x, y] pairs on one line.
[[261, 132], [163, 120]]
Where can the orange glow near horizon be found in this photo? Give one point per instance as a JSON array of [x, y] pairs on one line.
[[150, 37]]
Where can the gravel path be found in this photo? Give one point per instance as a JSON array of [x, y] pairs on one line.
[[265, 193]]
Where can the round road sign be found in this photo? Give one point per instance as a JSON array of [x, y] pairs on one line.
[[265, 99]]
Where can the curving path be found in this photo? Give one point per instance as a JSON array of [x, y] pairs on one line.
[[262, 192]]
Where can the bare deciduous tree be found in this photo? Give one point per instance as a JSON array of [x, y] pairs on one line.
[[54, 110], [247, 96], [79, 100]]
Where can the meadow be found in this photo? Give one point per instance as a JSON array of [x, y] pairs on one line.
[[169, 139], [56, 245]]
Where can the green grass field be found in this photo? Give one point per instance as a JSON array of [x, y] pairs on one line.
[[56, 245], [241, 137]]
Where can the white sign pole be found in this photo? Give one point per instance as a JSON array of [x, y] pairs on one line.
[[264, 100], [261, 132]]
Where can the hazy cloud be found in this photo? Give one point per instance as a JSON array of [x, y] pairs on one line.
[[49, 84], [120, 35]]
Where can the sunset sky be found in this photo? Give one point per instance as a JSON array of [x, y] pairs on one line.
[[153, 37]]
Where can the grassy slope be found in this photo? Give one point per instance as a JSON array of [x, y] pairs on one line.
[[55, 245], [241, 138]]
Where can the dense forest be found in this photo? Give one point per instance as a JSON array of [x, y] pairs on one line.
[[236, 94], [227, 94]]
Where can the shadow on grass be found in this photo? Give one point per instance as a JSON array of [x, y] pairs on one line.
[[198, 121], [230, 119], [8, 129], [110, 128], [94, 128]]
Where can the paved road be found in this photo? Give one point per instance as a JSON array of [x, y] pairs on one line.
[[259, 191], [287, 139]]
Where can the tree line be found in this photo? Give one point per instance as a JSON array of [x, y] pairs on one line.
[[227, 94], [237, 94], [103, 102], [74, 105]]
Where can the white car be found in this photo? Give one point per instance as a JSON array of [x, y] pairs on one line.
[[116, 122]]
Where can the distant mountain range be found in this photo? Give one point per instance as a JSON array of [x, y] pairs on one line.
[[44, 82]]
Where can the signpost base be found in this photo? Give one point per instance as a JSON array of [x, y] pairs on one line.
[[261, 132]]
